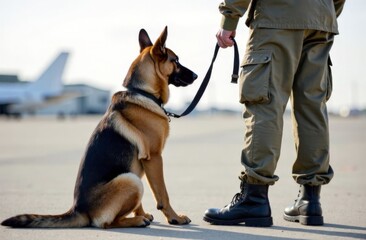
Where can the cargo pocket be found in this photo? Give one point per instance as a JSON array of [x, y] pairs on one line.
[[329, 79], [255, 77]]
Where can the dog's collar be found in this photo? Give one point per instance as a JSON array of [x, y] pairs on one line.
[[150, 96], [158, 101]]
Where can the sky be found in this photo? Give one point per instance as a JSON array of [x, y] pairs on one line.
[[102, 37]]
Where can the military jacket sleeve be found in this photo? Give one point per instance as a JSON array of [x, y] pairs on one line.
[[283, 14], [338, 5], [231, 11]]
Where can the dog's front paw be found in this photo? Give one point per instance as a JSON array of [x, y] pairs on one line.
[[142, 221], [149, 216], [179, 220]]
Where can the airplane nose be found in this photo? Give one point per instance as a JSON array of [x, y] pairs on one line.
[[194, 76]]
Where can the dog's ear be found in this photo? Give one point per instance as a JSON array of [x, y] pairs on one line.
[[159, 49], [144, 40]]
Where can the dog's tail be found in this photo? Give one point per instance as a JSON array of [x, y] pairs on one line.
[[67, 220]]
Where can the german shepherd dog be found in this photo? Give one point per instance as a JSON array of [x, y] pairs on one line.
[[126, 144]]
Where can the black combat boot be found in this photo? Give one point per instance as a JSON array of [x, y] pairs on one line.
[[250, 206], [306, 209]]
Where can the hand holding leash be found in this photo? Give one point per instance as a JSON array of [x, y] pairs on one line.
[[225, 38]]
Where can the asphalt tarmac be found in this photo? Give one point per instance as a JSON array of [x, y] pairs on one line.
[[39, 159]]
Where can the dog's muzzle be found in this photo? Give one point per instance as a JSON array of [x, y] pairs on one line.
[[183, 77]]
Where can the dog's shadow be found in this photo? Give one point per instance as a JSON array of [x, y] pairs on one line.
[[193, 231], [199, 232]]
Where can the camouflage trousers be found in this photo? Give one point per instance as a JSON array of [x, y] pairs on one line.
[[280, 65]]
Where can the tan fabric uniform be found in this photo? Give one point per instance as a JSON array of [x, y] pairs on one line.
[[287, 56]]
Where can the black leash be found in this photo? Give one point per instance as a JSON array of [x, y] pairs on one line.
[[205, 81]]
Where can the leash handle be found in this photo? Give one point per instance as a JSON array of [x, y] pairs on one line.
[[205, 81], [235, 75]]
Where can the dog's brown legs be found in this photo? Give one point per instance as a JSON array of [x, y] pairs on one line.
[[140, 212], [123, 222], [154, 174], [115, 200]]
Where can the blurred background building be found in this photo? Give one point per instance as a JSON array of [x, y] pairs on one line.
[[82, 99]]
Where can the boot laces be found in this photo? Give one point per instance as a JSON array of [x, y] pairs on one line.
[[240, 195], [298, 195]]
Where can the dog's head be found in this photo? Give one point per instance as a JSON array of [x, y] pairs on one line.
[[156, 67]]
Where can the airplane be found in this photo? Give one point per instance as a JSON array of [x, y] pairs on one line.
[[17, 98]]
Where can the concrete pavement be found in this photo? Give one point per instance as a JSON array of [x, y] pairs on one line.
[[39, 159]]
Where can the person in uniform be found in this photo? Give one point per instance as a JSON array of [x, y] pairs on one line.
[[287, 57]]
